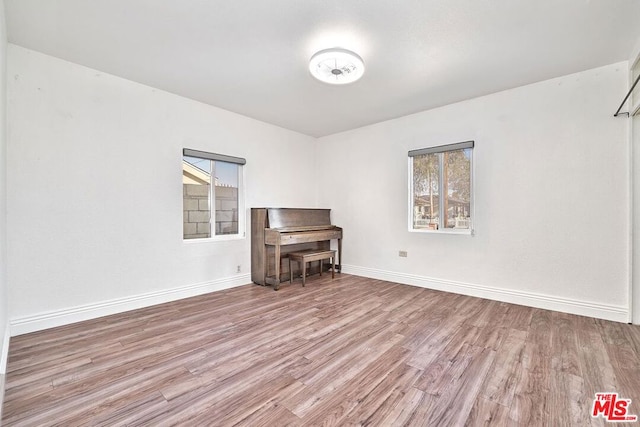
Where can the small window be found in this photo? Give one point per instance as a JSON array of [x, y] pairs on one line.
[[441, 190], [211, 195]]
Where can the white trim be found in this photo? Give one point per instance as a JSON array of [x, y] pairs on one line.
[[218, 238], [633, 225], [463, 231], [630, 217], [547, 302], [4, 352], [51, 319]]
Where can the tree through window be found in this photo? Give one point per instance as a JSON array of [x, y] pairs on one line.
[[441, 193]]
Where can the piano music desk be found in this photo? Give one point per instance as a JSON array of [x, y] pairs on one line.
[[310, 255]]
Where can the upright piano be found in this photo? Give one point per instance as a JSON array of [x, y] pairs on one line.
[[277, 231]]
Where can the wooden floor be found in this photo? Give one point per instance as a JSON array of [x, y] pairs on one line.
[[351, 351]]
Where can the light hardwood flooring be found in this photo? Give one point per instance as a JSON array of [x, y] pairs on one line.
[[348, 351]]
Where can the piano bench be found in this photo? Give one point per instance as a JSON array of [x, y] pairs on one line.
[[310, 255]]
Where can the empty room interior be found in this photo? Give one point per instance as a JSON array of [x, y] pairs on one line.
[[319, 212]]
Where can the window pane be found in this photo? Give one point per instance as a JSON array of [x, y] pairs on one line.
[[196, 193], [457, 187], [226, 194], [426, 202]]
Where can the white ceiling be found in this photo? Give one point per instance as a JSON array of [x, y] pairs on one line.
[[251, 56]]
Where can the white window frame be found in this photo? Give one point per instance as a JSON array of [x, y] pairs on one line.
[[634, 101], [439, 150], [241, 197]]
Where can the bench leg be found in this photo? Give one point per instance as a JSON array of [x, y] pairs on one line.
[[321, 265], [290, 272], [333, 267]]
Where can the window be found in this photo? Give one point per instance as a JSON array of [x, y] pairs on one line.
[[211, 195], [441, 190]]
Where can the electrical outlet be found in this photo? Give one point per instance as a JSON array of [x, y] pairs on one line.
[[238, 269], [402, 254]]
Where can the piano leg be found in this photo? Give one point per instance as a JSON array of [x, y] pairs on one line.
[[290, 272], [339, 256], [276, 284], [264, 270]]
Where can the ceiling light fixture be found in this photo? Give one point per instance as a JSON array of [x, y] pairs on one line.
[[336, 66]]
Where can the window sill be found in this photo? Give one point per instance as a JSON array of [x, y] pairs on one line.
[[464, 232], [222, 238]]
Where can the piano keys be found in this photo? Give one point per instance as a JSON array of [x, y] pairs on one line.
[[277, 231]]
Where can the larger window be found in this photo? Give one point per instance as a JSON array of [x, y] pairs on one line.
[[441, 191], [211, 195]]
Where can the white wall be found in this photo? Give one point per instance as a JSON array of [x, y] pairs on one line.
[[4, 314], [83, 239], [551, 196]]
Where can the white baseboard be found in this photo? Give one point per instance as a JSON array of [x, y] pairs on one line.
[[27, 324], [5, 351], [51, 319], [565, 305]]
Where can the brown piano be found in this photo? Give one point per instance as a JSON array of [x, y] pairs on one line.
[[277, 231]]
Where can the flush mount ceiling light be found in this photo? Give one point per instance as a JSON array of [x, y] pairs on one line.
[[336, 66]]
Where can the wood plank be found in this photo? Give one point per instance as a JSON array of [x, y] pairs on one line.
[[564, 356], [571, 406], [334, 372], [500, 385], [595, 366], [380, 401], [335, 408], [457, 398], [349, 351], [488, 413], [531, 402]]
